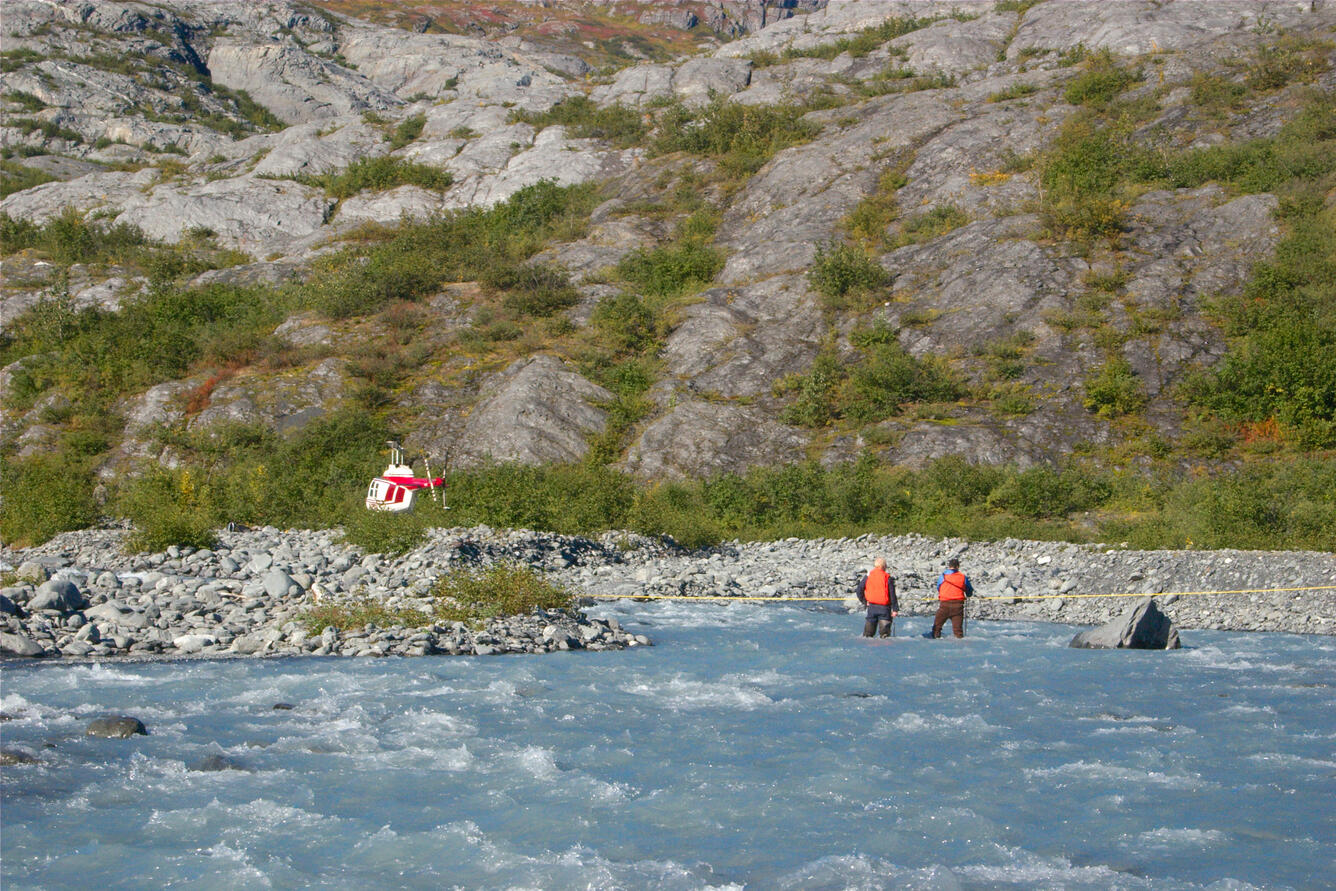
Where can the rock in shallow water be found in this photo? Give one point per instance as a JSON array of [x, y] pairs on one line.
[[1143, 627], [117, 727]]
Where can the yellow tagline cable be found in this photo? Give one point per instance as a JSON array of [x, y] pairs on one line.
[[974, 597]]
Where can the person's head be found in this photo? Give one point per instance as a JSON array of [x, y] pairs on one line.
[[879, 563], [953, 563]]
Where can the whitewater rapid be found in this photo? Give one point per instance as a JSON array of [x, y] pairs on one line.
[[754, 746]]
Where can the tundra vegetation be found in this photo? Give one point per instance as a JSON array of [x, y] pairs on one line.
[[1253, 468]]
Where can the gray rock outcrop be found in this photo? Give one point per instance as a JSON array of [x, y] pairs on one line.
[[1143, 627], [537, 410]]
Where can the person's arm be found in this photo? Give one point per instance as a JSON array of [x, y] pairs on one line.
[[969, 588], [861, 591], [895, 602]]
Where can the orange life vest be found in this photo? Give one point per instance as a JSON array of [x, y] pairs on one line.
[[952, 586], [877, 590]]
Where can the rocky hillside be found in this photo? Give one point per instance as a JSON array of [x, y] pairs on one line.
[[676, 238]]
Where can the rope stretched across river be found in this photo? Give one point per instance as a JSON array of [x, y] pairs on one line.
[[1011, 597]]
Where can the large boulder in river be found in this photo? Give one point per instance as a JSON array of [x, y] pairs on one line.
[[116, 727], [1143, 627]]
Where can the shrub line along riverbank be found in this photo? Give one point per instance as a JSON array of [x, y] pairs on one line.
[[257, 591]]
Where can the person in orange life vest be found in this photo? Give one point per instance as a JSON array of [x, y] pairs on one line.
[[877, 592], [953, 586]]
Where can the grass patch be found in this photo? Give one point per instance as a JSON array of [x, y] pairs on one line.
[[935, 223], [15, 177], [1015, 91], [358, 612]]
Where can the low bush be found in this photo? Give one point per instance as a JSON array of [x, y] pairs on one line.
[[933, 224], [1115, 390], [532, 289], [409, 129], [44, 495], [169, 508], [356, 613], [474, 596], [841, 270], [384, 172], [1100, 82], [415, 259], [741, 137], [623, 127]]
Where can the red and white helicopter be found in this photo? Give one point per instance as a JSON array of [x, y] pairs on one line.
[[396, 489]]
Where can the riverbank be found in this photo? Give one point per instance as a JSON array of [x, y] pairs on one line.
[[80, 595]]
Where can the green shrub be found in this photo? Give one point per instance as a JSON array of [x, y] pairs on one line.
[[409, 129], [671, 270], [386, 532], [1048, 492], [532, 289], [888, 378], [384, 172], [626, 323], [815, 404], [358, 612], [1282, 319], [417, 258], [169, 508], [1289, 505], [43, 495], [933, 224], [1100, 82], [1115, 390], [1216, 94], [741, 137], [1293, 58], [623, 127], [839, 270], [1084, 174], [503, 589]]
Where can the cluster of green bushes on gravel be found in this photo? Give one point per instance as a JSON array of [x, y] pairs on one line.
[[316, 479], [471, 596]]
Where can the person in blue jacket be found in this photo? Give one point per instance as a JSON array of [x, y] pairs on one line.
[[953, 586]]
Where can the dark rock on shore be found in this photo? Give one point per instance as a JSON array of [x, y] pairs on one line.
[[1143, 627]]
